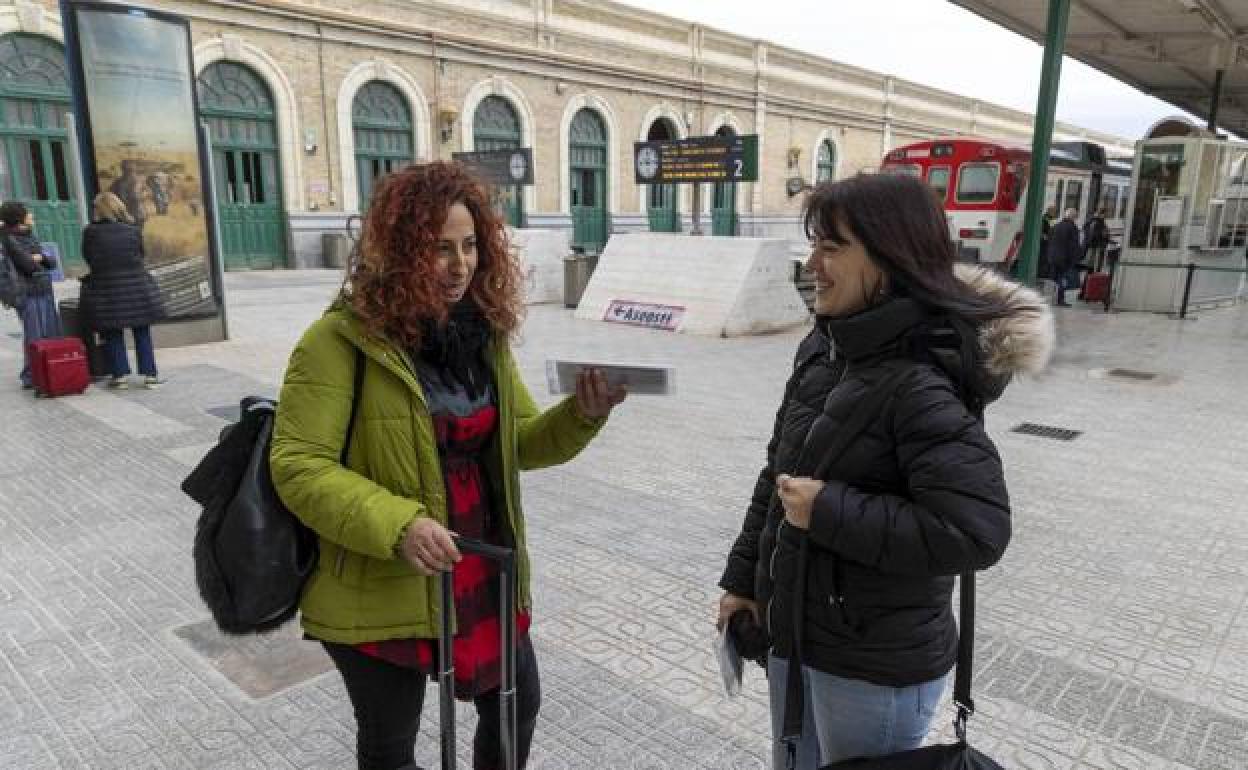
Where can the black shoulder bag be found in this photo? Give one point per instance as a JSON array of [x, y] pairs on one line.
[[252, 555], [955, 756]]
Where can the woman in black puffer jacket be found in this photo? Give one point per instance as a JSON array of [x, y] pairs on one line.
[[915, 499], [119, 293]]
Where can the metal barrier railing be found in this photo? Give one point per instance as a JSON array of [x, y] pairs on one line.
[[1190, 267]]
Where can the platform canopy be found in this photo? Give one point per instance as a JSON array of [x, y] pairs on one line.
[[1170, 49]]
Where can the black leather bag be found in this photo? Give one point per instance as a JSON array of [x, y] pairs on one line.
[[949, 756], [252, 555], [956, 756]]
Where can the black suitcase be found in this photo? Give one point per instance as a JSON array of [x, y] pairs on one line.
[[74, 325], [506, 559]]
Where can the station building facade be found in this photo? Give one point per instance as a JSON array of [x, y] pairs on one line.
[[309, 101]]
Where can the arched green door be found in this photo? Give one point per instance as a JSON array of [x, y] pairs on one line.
[[495, 126], [238, 108], [587, 154], [382, 125], [662, 204], [724, 200], [825, 163], [34, 143]]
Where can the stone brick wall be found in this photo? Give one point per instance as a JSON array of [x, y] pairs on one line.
[[553, 51]]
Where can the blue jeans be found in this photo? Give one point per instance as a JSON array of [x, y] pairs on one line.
[[40, 320], [848, 718], [115, 347]]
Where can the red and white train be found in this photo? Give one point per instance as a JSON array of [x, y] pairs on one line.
[[983, 185]]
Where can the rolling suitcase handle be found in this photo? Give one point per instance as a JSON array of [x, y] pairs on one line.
[[506, 558]]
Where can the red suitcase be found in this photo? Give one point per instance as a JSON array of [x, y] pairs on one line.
[[58, 366], [1095, 287]]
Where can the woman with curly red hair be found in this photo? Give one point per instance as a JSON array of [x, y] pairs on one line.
[[443, 425]]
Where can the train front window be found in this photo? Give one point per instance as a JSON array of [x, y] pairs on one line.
[[938, 179], [977, 182], [906, 169]]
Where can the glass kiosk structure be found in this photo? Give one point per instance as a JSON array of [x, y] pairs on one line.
[[1189, 206]]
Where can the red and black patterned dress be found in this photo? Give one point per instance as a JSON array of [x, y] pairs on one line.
[[465, 419]]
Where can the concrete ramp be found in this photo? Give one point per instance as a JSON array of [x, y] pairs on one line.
[[721, 287], [541, 255]]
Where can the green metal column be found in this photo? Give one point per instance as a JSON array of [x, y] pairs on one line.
[[1042, 138]]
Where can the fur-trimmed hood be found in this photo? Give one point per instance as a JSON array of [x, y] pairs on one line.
[[1021, 343]]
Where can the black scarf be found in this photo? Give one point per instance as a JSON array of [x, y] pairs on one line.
[[455, 349]]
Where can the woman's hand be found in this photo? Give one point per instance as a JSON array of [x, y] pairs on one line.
[[798, 496], [428, 547], [594, 399], [731, 604]]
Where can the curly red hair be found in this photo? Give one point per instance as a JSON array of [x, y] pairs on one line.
[[394, 285]]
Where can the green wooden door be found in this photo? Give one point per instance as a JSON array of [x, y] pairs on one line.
[[724, 200], [34, 143], [238, 108], [662, 203], [382, 125], [495, 126], [587, 154]]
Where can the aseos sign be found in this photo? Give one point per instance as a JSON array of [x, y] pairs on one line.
[[665, 317]]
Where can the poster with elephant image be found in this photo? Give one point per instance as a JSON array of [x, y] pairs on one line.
[[142, 143]]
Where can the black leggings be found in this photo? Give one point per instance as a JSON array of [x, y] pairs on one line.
[[387, 700]]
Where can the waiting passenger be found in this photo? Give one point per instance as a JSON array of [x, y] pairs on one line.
[[916, 498], [36, 305], [119, 293]]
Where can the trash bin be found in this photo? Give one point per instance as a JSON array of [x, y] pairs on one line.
[[335, 249], [577, 268]]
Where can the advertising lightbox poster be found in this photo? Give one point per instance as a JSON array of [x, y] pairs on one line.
[[141, 130]]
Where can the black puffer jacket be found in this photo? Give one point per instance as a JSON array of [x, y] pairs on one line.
[[916, 499], [20, 245], [118, 293]]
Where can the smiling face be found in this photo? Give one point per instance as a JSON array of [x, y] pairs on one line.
[[457, 252], [846, 280]]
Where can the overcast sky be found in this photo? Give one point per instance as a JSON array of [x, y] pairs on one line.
[[931, 42]]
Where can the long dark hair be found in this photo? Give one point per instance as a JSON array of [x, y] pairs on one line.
[[900, 223]]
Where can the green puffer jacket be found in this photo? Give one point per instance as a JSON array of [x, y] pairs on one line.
[[360, 591]]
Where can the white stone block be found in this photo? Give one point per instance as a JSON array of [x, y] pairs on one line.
[[541, 254], [726, 286]]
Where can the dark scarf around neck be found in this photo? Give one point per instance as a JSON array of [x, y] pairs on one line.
[[455, 348]]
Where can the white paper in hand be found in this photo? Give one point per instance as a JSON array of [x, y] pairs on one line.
[[640, 379]]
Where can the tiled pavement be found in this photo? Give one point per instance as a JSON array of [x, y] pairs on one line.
[[1113, 635]]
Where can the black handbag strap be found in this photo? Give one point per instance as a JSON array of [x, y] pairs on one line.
[[966, 651], [794, 705], [356, 386]]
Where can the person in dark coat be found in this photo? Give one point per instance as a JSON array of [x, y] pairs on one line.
[[1065, 251], [916, 499], [119, 293], [1096, 240], [37, 304]]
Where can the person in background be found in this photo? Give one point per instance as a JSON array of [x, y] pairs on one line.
[[37, 308], [118, 293], [1095, 241], [444, 426], [1065, 251]]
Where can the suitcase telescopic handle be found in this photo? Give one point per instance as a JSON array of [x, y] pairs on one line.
[[497, 553]]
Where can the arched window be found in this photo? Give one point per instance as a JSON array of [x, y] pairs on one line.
[[724, 199], [825, 166], [587, 156], [496, 126], [382, 125], [34, 156], [664, 209]]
